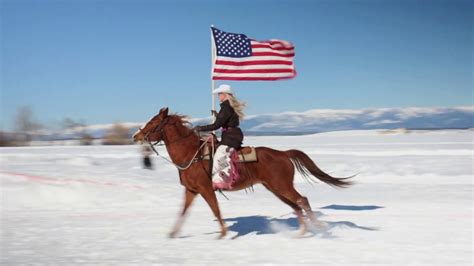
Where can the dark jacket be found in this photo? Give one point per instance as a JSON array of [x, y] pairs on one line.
[[228, 120]]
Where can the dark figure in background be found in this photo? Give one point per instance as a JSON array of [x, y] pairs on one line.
[[146, 152]]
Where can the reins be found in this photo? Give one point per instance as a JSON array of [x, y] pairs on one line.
[[180, 167], [193, 160], [160, 126]]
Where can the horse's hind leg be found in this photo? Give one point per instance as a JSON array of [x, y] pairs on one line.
[[299, 214], [295, 207], [302, 202]]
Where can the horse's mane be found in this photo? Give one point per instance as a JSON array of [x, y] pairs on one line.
[[180, 120], [177, 118]]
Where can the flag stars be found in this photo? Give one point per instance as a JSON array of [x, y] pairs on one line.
[[232, 45]]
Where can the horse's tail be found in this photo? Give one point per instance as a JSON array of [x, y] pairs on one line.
[[306, 166]]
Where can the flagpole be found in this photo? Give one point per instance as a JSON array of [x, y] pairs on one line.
[[213, 83]]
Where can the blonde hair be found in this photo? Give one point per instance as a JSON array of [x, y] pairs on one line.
[[237, 105]]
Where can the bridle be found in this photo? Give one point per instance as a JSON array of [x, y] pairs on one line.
[[160, 127]]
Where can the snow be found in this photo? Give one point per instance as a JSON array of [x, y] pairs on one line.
[[411, 204]]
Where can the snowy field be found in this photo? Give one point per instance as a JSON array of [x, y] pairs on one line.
[[412, 204]]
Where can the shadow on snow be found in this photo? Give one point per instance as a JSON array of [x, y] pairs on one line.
[[351, 207], [262, 225]]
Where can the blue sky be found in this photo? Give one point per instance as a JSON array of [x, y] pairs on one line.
[[107, 61]]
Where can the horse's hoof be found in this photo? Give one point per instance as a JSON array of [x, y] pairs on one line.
[[302, 232], [172, 234], [222, 236], [320, 225]]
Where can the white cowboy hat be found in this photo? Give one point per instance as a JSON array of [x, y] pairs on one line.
[[224, 88]]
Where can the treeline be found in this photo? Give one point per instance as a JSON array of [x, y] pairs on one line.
[[28, 129]]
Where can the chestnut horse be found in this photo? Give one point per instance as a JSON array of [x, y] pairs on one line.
[[274, 169]]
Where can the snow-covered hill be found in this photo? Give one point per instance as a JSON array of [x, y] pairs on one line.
[[319, 120], [324, 120]]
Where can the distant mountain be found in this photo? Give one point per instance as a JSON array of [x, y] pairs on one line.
[[321, 120]]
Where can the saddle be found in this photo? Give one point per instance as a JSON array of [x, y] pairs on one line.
[[245, 154]]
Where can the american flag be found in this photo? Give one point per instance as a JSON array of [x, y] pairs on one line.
[[241, 58]]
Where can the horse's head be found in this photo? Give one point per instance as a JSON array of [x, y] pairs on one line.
[[153, 130]]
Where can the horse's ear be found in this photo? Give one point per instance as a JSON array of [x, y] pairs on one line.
[[164, 111]]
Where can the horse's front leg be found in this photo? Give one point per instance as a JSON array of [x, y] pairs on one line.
[[189, 196], [211, 199]]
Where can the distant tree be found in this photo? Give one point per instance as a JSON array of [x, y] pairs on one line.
[[79, 127], [10, 139], [117, 135], [25, 123], [86, 139], [4, 140], [68, 123]]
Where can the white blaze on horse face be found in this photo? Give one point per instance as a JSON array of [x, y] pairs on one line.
[[135, 134], [140, 130]]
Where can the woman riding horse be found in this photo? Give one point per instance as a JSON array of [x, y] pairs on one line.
[[274, 170], [228, 119]]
